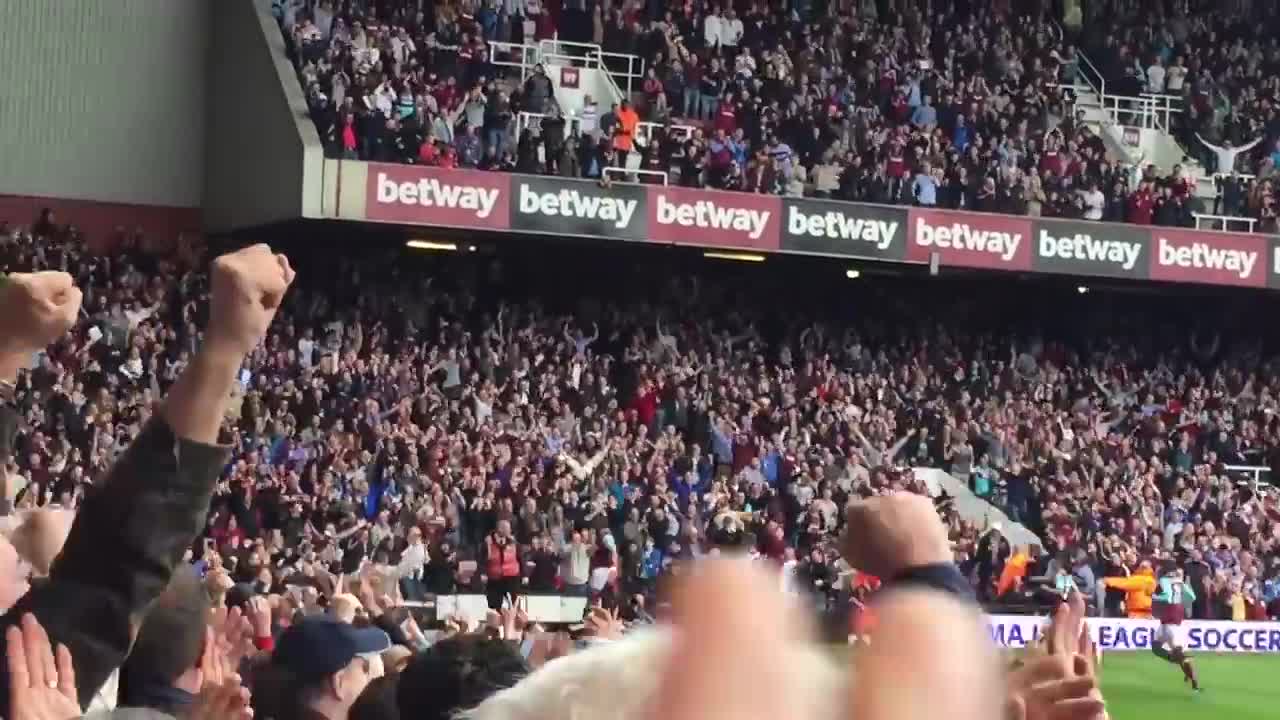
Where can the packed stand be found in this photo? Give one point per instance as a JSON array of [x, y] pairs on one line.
[[961, 109], [1221, 63], [606, 441], [131, 604]]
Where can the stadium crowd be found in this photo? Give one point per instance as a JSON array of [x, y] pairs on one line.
[[193, 464], [480, 441], [948, 104]]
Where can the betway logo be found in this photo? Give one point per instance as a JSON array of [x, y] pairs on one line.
[[838, 226], [430, 192], [961, 236], [1084, 247], [571, 203], [1201, 255], [708, 215]]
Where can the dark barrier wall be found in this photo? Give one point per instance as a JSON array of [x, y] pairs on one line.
[[263, 156], [104, 100]]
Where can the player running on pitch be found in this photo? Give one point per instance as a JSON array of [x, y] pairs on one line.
[[1167, 607]]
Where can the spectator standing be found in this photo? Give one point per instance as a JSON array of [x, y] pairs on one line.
[[624, 136], [502, 565]]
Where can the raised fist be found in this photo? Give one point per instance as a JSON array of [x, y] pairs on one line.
[[247, 287], [36, 309], [887, 534]]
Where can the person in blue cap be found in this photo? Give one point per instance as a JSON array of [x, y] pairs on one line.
[[330, 663]]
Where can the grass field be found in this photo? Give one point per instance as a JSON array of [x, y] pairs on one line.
[[1140, 686]]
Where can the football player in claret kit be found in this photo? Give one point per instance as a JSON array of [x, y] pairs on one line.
[[1167, 607]]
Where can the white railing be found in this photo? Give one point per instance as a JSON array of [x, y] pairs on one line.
[[616, 66], [631, 69], [517, 55], [1087, 71], [1209, 187], [1205, 221], [623, 72], [533, 121], [1148, 112], [624, 172], [1256, 472], [1151, 111], [645, 130]]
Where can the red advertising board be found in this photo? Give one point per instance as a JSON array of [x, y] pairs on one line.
[[432, 196], [685, 216], [992, 242], [1206, 257]]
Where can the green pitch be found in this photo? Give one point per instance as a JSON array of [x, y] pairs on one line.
[[1140, 686]]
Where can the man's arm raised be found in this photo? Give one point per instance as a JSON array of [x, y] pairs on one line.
[[132, 532]]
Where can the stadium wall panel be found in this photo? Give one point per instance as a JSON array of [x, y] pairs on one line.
[[104, 101], [264, 161]]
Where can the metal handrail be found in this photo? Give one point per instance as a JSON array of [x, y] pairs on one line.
[[1255, 470], [1225, 220], [1163, 96], [528, 55], [1101, 87], [646, 128], [526, 119], [634, 71], [573, 124], [592, 57], [614, 170], [1207, 185], [1136, 111]]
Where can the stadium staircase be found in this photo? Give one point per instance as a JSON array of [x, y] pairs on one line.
[[974, 509], [1138, 130], [577, 70]]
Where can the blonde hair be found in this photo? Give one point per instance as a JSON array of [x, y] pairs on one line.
[[620, 681]]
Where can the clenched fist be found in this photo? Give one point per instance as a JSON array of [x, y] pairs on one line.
[[888, 534], [36, 309], [247, 287]]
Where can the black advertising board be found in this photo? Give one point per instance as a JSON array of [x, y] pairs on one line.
[[826, 227], [1095, 249], [566, 207]]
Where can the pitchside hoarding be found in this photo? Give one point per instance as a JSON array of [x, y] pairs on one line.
[[551, 205], [989, 242], [488, 201], [1090, 248], [431, 196], [684, 216], [1213, 258], [827, 227], [1119, 634]]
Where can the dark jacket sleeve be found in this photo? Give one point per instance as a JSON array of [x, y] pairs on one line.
[[9, 424], [126, 540]]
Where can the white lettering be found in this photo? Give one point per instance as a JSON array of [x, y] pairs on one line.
[[960, 236], [1084, 247], [430, 192], [1202, 255], [838, 226], [572, 203], [707, 214]]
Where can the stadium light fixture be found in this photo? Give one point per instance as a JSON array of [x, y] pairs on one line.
[[740, 257], [430, 245], [1082, 289], [852, 274]]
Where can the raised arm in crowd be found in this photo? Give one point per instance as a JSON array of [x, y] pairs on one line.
[[133, 530]]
